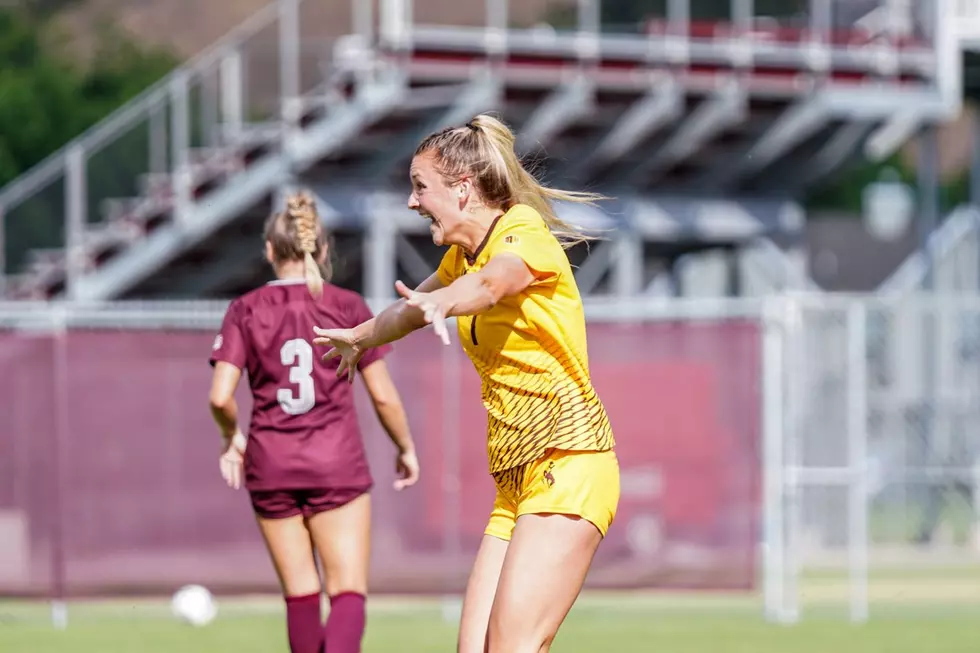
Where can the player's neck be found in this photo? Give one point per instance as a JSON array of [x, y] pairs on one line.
[[290, 270], [477, 226]]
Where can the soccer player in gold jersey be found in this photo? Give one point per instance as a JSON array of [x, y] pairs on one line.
[[507, 280]]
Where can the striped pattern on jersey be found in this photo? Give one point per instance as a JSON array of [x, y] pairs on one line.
[[532, 407], [512, 482]]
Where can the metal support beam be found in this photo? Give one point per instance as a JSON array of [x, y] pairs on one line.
[[158, 139], [589, 16], [3, 253], [821, 23], [743, 18], [289, 43], [795, 125], [881, 103], [974, 194], [130, 267], [380, 249], [658, 108], [209, 110], [180, 135], [363, 13], [396, 23], [929, 197], [236, 261], [627, 265], [481, 94], [676, 278], [563, 107], [290, 85], [305, 148], [892, 135], [678, 28], [831, 157], [589, 27], [232, 94], [600, 258], [660, 285], [414, 263], [725, 108], [495, 37], [76, 203], [743, 15], [975, 159]]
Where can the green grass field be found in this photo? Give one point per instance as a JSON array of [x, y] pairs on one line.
[[620, 623]]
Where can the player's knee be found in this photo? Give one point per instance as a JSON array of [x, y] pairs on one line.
[[300, 584], [345, 581]]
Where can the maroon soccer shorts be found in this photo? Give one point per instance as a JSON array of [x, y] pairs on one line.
[[280, 504]]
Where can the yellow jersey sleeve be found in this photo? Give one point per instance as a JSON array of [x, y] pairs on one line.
[[528, 237], [448, 270]]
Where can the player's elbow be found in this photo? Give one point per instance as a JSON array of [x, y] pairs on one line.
[[384, 396], [384, 402], [220, 402]]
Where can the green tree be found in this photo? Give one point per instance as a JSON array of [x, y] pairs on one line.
[[46, 99]]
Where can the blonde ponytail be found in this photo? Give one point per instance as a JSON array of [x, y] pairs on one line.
[[525, 188], [303, 211], [484, 150]]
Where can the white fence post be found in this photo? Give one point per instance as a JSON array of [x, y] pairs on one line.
[[857, 438], [774, 483]]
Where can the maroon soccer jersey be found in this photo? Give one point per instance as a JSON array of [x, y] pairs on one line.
[[303, 431]]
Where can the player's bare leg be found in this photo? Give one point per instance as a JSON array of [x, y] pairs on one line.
[[480, 590], [543, 573], [289, 545], [343, 537]]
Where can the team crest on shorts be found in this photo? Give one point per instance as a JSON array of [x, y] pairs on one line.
[[549, 478]]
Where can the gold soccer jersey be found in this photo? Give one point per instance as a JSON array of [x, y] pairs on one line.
[[530, 349]]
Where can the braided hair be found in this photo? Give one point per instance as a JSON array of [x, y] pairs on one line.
[[296, 234]]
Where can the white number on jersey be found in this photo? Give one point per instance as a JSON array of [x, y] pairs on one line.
[[298, 356]]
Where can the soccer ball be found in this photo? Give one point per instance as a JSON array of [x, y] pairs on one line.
[[194, 604]]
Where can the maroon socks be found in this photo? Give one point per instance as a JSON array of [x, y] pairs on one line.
[[303, 623], [345, 624], [343, 632]]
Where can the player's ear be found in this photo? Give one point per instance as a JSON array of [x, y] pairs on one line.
[[322, 258], [269, 256], [463, 189]]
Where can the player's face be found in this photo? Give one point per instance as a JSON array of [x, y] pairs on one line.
[[435, 199]]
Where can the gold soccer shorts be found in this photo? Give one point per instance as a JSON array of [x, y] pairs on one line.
[[581, 483]]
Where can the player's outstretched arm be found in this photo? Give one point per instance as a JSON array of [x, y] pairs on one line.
[[504, 275], [393, 323]]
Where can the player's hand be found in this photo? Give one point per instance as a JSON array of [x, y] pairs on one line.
[[407, 468], [342, 344], [232, 461], [432, 308]]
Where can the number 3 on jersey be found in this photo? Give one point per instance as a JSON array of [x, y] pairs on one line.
[[297, 354]]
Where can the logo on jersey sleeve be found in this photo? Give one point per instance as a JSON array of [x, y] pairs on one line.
[[218, 341], [512, 240]]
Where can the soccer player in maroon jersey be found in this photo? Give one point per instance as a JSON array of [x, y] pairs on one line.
[[303, 461]]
